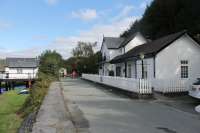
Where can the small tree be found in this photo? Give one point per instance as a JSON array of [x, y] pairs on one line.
[[50, 62], [84, 58]]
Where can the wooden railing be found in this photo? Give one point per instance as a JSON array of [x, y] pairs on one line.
[[18, 76], [140, 86]]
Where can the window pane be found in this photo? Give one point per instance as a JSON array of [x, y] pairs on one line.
[[184, 71], [184, 62]]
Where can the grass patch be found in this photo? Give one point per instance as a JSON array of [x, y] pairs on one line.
[[10, 103]]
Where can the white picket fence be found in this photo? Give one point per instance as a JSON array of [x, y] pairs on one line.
[[140, 86], [170, 85]]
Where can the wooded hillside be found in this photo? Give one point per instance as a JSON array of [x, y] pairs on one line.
[[163, 17]]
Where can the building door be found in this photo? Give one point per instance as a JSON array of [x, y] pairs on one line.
[[118, 71], [129, 71]]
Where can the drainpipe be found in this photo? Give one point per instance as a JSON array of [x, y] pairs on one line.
[[126, 69], [142, 69], [154, 66], [142, 59], [136, 69]]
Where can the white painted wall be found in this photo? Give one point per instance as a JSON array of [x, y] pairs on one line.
[[137, 40], [105, 52], [114, 52], [26, 72], [149, 62], [105, 69], [168, 60], [110, 54]]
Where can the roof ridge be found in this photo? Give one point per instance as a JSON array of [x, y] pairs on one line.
[[151, 48]]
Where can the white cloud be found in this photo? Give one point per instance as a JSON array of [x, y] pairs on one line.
[[125, 11], [85, 14], [51, 2], [4, 25], [64, 44]]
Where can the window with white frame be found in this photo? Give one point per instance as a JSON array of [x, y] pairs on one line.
[[184, 69]]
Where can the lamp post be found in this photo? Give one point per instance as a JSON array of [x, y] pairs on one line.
[[142, 59]]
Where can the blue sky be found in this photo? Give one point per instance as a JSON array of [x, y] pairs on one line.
[[27, 27]]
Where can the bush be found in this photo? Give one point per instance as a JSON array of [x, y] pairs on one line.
[[37, 94], [50, 62]]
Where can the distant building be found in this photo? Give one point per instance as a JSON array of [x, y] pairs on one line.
[[19, 68]]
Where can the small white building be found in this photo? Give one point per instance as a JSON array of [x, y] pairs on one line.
[[113, 47], [173, 57], [21, 68], [171, 63]]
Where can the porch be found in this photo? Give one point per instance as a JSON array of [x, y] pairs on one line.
[[8, 81]]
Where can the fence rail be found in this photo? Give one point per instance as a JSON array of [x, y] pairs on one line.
[[140, 86]]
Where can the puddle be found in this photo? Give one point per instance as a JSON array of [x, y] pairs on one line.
[[166, 130]]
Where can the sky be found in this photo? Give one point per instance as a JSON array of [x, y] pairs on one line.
[[28, 27]]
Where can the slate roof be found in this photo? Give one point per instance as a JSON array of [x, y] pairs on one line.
[[113, 42], [149, 49], [22, 62]]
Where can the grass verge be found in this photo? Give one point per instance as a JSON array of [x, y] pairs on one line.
[[37, 94], [10, 103]]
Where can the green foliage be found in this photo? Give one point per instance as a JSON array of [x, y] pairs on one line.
[[86, 62], [50, 63], [163, 17], [37, 93], [10, 103]]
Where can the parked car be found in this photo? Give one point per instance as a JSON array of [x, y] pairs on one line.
[[197, 108], [24, 91], [195, 91]]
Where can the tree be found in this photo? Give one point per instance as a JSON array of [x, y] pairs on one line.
[[84, 58], [163, 17], [50, 62], [84, 49]]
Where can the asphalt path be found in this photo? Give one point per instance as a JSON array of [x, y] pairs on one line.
[[97, 110]]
